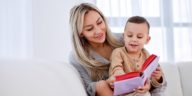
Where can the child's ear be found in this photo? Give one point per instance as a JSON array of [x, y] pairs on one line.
[[148, 39]]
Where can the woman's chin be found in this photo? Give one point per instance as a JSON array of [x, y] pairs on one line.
[[101, 40]]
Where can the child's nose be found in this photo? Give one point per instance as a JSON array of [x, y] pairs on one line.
[[134, 39]]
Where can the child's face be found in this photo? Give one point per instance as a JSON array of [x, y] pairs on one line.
[[136, 36]]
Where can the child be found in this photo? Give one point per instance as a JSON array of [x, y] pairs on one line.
[[131, 57]]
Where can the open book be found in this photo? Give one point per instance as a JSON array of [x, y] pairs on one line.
[[129, 81]]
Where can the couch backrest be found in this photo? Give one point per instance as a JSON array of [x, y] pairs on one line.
[[173, 80], [185, 70], [39, 78]]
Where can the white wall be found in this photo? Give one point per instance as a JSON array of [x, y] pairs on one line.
[[16, 29], [51, 28]]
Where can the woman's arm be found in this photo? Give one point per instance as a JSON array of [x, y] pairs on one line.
[[159, 91], [97, 88]]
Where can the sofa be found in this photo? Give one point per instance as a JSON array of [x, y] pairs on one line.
[[178, 78], [37, 77]]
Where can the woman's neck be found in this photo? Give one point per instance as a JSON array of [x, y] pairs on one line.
[[104, 50], [96, 46]]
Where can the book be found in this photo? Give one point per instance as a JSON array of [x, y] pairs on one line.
[[126, 83]]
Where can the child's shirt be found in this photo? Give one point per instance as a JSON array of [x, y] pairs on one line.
[[121, 61]]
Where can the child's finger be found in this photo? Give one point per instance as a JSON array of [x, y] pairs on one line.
[[111, 85]]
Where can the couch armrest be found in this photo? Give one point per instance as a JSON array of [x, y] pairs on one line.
[[39, 78], [185, 70], [173, 79]]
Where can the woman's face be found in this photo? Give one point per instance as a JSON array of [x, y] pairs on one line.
[[94, 29]]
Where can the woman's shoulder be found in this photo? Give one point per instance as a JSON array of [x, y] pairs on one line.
[[73, 59]]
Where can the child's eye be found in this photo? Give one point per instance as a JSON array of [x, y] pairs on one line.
[[130, 35], [139, 37]]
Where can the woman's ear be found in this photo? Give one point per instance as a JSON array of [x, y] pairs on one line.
[[81, 35]]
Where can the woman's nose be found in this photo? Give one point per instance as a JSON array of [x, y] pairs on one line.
[[97, 30]]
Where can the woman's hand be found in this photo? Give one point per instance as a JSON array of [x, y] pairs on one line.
[[157, 74], [103, 89], [144, 88]]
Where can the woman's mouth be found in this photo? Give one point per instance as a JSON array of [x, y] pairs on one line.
[[99, 36]]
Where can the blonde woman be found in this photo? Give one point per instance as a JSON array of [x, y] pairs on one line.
[[93, 44]]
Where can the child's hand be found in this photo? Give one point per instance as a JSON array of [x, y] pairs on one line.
[[111, 81], [144, 88], [157, 74]]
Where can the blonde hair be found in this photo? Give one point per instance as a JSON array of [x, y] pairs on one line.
[[80, 45]]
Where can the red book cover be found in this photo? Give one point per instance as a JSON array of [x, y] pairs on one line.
[[136, 74], [148, 61], [129, 81], [127, 76]]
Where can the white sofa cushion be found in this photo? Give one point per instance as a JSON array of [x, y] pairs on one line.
[[39, 78], [186, 77], [173, 80]]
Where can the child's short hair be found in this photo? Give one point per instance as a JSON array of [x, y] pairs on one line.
[[138, 20]]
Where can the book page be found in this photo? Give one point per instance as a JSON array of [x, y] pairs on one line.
[[150, 69], [127, 85]]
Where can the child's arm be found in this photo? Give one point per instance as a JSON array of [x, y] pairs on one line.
[[116, 67], [117, 70], [158, 82], [157, 74], [157, 78]]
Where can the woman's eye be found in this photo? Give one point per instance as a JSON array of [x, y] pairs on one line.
[[129, 35], [89, 29], [100, 22]]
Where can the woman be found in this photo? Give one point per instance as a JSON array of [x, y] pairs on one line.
[[93, 44]]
